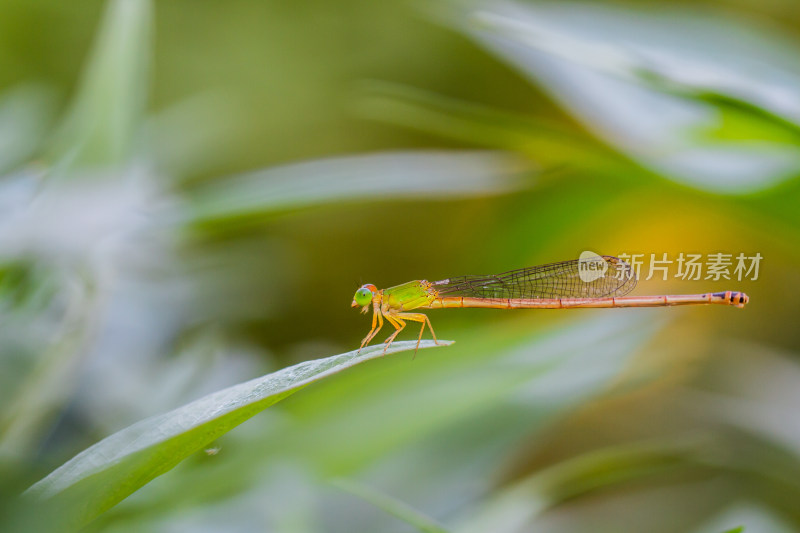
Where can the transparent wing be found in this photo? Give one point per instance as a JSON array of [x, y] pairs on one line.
[[568, 279]]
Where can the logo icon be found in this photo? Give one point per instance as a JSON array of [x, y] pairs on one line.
[[591, 266]]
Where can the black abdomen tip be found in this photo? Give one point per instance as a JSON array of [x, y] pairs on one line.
[[739, 299]]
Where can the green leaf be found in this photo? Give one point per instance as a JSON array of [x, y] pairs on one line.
[[105, 116], [414, 174], [106, 473], [635, 80]]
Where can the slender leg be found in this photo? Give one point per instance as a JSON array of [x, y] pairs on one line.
[[419, 317], [376, 317], [380, 325], [399, 324]]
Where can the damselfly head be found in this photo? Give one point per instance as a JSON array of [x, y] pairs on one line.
[[363, 297]]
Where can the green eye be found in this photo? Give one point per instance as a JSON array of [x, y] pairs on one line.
[[363, 296]]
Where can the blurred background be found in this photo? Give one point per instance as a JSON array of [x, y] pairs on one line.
[[190, 193]]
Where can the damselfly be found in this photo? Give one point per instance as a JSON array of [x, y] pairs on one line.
[[554, 286]]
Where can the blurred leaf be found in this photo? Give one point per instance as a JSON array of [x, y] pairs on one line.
[[100, 127], [516, 508], [39, 393], [600, 62], [432, 174], [104, 474], [391, 505], [750, 408], [546, 141], [24, 116], [753, 516]]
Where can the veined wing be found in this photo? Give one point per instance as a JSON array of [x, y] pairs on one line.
[[551, 281]]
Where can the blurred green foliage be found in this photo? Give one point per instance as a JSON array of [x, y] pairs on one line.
[[190, 193]]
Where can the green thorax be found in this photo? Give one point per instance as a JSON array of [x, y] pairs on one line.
[[408, 295]]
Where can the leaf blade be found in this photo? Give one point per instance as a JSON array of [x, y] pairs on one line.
[[107, 472]]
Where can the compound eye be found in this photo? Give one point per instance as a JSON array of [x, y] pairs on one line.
[[363, 296]]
